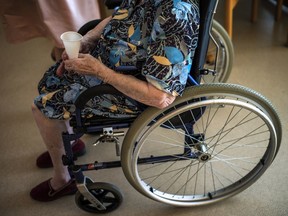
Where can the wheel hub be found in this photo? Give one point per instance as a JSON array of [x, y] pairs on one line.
[[203, 157], [198, 147]]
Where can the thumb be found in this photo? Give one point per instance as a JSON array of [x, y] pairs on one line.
[[64, 55]]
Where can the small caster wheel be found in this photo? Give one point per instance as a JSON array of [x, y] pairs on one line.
[[109, 195]]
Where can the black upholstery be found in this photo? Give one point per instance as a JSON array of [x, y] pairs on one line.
[[88, 26], [111, 4]]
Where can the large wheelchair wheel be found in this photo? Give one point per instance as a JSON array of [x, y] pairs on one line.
[[212, 143], [220, 55]]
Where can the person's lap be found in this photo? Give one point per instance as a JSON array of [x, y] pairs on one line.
[[57, 96]]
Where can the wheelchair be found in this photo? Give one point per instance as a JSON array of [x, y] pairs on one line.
[[210, 144]]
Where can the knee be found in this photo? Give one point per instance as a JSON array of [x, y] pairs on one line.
[[34, 108]]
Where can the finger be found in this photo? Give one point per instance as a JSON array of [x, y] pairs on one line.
[[60, 69], [64, 55]]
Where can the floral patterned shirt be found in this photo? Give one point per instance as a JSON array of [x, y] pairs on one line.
[[158, 36]]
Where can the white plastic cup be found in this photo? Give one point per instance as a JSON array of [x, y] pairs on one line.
[[71, 41]]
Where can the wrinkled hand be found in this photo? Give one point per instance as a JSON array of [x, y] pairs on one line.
[[86, 47], [86, 65]]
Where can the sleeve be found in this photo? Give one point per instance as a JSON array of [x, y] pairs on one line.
[[173, 40]]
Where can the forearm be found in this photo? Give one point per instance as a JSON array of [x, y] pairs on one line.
[[95, 33], [129, 85], [138, 90]]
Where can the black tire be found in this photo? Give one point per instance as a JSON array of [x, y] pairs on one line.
[[109, 195]]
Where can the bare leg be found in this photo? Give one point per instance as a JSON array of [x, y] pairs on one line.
[[69, 129], [51, 132]]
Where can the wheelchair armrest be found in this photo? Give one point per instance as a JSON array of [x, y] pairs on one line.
[[88, 26], [95, 91], [82, 125], [77, 122]]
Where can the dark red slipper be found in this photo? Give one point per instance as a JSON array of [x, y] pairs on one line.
[[45, 193], [44, 160]]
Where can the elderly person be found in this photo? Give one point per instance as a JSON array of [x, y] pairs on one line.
[[157, 36]]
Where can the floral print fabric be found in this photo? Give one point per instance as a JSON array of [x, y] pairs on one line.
[[157, 36], [57, 96]]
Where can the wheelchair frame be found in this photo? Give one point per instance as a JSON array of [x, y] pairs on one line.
[[205, 96]]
